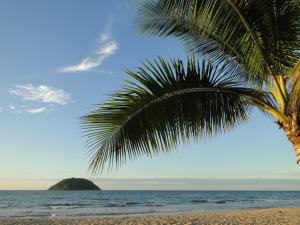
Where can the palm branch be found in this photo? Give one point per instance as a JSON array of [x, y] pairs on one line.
[[262, 36], [164, 105], [251, 55]]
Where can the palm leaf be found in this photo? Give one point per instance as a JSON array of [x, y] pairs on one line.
[[263, 36], [294, 94], [164, 105]]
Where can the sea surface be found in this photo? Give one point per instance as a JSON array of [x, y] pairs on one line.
[[98, 203]]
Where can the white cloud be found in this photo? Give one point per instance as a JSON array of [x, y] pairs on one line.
[[85, 65], [104, 37], [36, 110], [12, 107], [107, 48], [41, 93]]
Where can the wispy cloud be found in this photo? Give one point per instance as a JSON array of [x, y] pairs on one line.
[[15, 109], [41, 93], [36, 110], [107, 47], [85, 65], [12, 107], [104, 37], [43, 98]]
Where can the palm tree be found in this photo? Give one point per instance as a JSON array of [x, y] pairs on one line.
[[245, 54]]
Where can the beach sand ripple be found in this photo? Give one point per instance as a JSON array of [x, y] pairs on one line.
[[257, 216]]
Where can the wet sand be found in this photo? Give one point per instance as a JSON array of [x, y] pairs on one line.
[[257, 216]]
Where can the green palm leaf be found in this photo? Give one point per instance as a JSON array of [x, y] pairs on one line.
[[263, 36], [165, 105], [294, 93]]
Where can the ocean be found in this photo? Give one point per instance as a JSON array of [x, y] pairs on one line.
[[104, 203]]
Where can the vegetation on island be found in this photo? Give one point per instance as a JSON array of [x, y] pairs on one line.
[[245, 54], [73, 184]]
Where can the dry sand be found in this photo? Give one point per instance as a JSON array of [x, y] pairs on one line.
[[259, 216]]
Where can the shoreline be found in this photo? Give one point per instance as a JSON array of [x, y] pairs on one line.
[[252, 216]]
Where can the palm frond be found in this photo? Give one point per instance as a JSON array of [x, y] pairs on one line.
[[263, 36], [294, 87], [164, 105]]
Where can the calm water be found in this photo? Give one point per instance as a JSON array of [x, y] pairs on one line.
[[93, 203]]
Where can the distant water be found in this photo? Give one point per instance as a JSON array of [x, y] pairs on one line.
[[97, 203]]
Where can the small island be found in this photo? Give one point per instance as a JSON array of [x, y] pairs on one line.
[[73, 184]]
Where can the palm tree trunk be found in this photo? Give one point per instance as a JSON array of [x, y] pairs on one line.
[[294, 138]]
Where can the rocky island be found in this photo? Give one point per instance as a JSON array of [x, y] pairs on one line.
[[73, 184]]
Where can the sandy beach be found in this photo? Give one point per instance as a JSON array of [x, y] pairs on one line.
[[258, 216]]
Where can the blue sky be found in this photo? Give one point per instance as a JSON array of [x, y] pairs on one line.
[[61, 57]]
